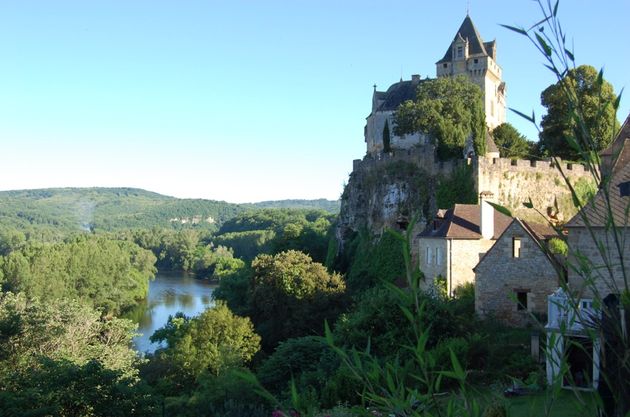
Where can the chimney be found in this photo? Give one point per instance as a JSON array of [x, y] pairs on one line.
[[415, 78], [487, 215]]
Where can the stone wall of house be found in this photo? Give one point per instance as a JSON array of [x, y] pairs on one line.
[[580, 242], [500, 276], [463, 256], [432, 255], [516, 181]]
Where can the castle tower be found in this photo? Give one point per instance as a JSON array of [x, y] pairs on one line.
[[468, 54]]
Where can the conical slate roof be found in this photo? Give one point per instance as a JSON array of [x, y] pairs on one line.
[[468, 31]]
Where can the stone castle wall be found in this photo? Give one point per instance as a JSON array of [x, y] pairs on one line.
[[516, 181], [421, 155], [378, 193]]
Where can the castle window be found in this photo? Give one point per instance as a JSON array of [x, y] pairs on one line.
[[516, 247], [624, 189], [438, 256], [445, 65], [429, 256], [460, 52], [521, 300], [476, 61]]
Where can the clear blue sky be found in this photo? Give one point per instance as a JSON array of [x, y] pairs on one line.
[[242, 100]]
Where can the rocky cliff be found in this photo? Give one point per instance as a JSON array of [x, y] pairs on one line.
[[387, 188]]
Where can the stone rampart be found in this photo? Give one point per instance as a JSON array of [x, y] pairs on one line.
[[423, 156], [514, 182]]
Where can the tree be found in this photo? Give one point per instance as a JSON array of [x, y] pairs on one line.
[[511, 143], [386, 138], [63, 388], [213, 341], [108, 274], [291, 296], [449, 109], [593, 99], [61, 330]]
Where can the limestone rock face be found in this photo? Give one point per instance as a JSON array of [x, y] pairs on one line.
[[383, 191]]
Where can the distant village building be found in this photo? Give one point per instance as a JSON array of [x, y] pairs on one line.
[[514, 278], [451, 246], [467, 54]]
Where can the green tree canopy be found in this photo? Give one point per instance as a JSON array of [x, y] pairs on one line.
[[291, 296], [449, 109], [63, 388], [61, 330], [109, 274], [213, 341], [511, 143], [583, 92]]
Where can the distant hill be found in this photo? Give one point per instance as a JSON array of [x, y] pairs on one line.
[[331, 206], [61, 210]]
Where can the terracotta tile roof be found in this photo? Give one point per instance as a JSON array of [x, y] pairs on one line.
[[462, 222], [596, 210]]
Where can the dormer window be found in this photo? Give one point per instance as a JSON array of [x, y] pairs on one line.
[[460, 51]]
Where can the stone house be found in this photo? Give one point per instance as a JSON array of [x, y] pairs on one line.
[[598, 244], [454, 242], [599, 271], [514, 278]]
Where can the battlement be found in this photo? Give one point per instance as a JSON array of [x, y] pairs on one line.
[[527, 166], [423, 156]]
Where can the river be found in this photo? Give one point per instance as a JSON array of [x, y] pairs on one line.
[[169, 293]]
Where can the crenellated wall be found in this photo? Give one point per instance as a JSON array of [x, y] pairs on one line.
[[385, 186], [514, 182]]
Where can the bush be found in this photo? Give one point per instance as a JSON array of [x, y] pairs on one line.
[[373, 261], [297, 359]]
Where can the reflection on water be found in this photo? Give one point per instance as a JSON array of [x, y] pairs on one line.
[[169, 293]]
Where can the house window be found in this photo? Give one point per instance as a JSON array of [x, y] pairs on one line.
[[521, 300], [516, 247], [429, 256], [438, 256]]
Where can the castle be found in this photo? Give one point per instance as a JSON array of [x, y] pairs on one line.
[[467, 54], [401, 175]]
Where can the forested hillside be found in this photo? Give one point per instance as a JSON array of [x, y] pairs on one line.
[[47, 213]]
